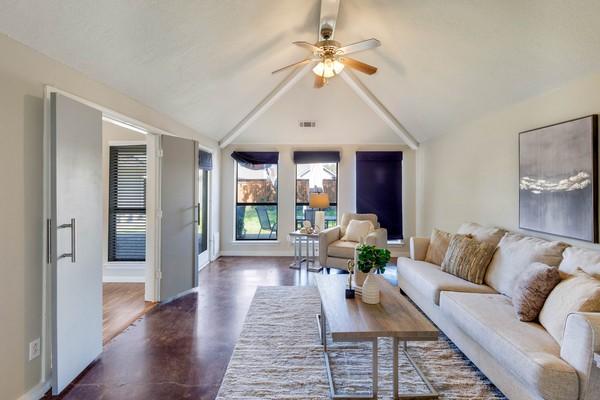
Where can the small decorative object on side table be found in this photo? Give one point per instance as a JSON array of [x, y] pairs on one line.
[[369, 260], [349, 290]]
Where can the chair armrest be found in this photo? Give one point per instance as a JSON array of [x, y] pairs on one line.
[[418, 248], [377, 238], [326, 237], [580, 341]]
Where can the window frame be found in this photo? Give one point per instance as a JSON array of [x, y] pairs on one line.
[[236, 237], [113, 212], [337, 183]]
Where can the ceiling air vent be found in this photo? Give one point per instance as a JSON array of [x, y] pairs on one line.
[[308, 124]]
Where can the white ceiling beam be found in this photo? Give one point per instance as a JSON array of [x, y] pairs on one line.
[[365, 94], [329, 14], [266, 103]]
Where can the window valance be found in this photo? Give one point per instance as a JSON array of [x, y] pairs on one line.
[[256, 157], [312, 157]]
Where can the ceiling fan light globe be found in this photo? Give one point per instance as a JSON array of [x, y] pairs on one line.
[[328, 68]]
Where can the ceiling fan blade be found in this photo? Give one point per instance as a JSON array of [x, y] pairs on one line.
[[358, 65], [308, 46], [359, 46], [319, 81], [296, 64], [328, 18]]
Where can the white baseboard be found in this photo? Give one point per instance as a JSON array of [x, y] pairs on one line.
[[257, 253], [124, 272], [37, 392]]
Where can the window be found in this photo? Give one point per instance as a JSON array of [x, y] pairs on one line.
[[256, 196], [316, 177], [127, 203]]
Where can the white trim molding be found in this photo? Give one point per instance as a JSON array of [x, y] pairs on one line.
[[37, 392], [124, 272]]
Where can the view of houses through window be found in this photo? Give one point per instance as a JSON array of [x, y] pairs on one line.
[[316, 177], [256, 202]]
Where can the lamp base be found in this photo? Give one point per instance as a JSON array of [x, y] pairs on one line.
[[320, 220]]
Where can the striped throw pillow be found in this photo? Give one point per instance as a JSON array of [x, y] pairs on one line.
[[468, 258]]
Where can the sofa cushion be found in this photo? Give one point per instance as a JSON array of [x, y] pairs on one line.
[[532, 288], [438, 245], [467, 258], [578, 293], [342, 249], [515, 253], [576, 257], [491, 235], [430, 280], [524, 348]]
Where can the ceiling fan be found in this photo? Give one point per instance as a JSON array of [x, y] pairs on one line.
[[332, 57]]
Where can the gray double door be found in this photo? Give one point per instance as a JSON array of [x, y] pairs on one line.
[[74, 231]]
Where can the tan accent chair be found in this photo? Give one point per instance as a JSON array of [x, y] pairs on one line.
[[335, 253]]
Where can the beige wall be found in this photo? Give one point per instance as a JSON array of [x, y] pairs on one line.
[[23, 74], [287, 191], [471, 174]]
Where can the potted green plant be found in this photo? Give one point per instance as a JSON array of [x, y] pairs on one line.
[[368, 260]]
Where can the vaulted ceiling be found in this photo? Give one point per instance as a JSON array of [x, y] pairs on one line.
[[208, 63]]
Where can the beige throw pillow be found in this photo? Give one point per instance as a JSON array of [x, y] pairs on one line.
[[467, 258], [438, 245], [515, 253], [357, 230], [578, 293], [489, 234], [532, 288]]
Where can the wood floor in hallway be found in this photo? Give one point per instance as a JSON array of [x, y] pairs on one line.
[[123, 303], [180, 350]]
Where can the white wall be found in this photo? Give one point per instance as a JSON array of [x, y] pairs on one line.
[[472, 173], [23, 74], [287, 192], [117, 271]]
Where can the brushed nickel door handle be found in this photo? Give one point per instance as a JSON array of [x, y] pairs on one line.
[[72, 254]]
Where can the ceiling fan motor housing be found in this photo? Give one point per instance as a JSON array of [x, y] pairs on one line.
[[326, 32]]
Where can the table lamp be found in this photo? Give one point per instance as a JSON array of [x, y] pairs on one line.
[[319, 201]]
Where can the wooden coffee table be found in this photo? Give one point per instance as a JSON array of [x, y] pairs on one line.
[[351, 320]]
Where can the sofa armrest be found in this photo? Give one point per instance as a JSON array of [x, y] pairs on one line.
[[580, 341], [377, 238], [326, 237], [418, 248]]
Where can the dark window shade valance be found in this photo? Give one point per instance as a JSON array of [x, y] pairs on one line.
[[256, 157], [311, 157], [379, 188], [378, 156], [205, 160]]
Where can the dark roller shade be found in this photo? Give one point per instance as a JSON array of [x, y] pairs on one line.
[[311, 157], [256, 157], [127, 204], [205, 160], [379, 188]]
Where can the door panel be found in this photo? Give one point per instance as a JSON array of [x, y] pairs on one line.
[[178, 224], [76, 186]]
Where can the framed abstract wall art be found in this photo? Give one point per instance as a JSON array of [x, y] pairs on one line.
[[558, 179]]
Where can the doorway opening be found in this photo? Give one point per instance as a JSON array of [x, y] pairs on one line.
[[125, 228]]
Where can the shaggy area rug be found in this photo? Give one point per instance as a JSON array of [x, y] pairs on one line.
[[279, 356]]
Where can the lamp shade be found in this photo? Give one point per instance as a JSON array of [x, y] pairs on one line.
[[318, 200]]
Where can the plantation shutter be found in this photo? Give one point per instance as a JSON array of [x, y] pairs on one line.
[[127, 204]]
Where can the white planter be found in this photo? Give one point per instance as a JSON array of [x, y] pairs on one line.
[[359, 276], [370, 290]]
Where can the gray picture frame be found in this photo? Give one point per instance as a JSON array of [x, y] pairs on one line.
[[558, 179]]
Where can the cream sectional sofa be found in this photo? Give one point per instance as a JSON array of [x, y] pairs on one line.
[[520, 358]]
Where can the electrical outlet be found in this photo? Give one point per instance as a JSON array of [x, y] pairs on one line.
[[34, 349]]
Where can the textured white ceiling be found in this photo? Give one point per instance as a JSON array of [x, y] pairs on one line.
[[207, 63]]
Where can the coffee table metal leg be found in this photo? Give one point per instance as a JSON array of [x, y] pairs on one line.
[[395, 367], [375, 369], [432, 394]]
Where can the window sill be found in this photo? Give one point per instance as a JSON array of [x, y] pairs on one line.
[[255, 241]]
